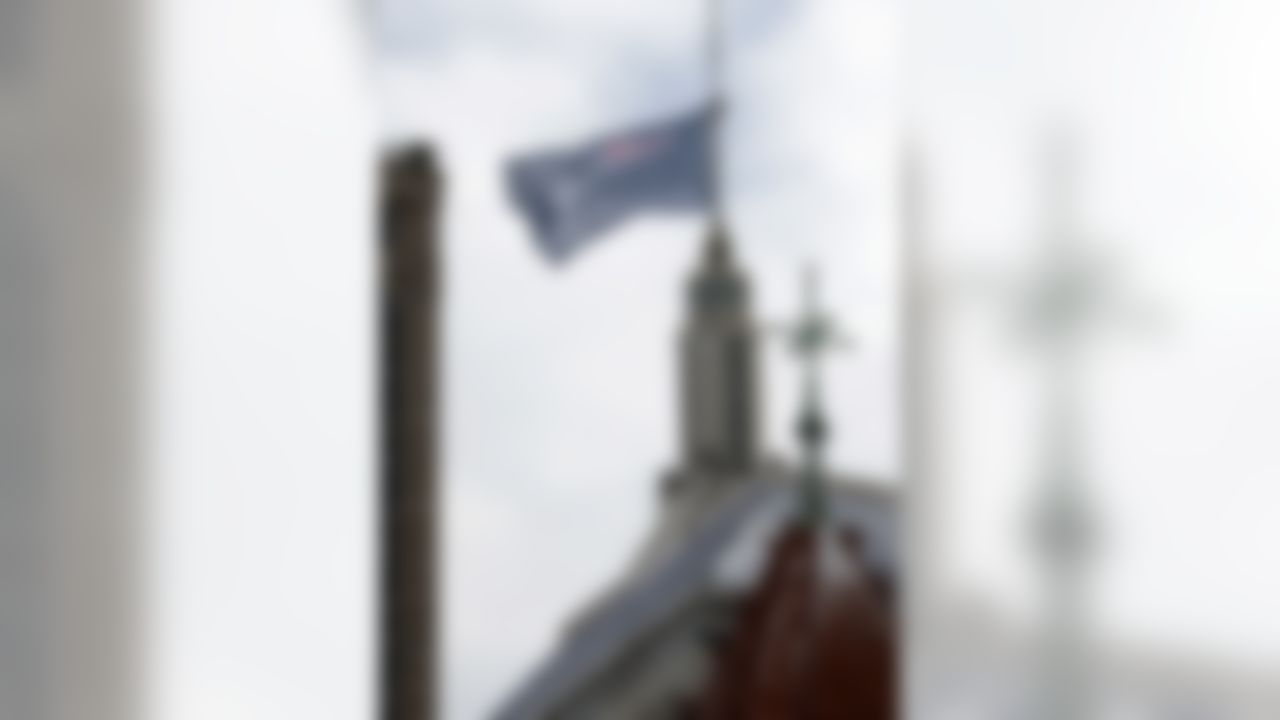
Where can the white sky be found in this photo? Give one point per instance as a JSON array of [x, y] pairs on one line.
[[560, 384], [260, 363]]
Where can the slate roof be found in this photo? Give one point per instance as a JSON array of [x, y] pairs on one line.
[[731, 540]]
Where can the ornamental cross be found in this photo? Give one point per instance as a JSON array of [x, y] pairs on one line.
[[811, 337]]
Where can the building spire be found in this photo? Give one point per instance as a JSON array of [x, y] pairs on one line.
[[719, 358], [719, 370]]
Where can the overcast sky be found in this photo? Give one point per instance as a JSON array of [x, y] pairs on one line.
[[560, 384]]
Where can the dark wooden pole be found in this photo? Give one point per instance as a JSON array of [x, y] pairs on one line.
[[409, 303]]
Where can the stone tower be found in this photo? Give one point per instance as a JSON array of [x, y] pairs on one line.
[[719, 364]]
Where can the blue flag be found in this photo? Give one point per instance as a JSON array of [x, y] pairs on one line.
[[570, 197]]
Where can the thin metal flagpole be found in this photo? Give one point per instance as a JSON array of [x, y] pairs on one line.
[[716, 69]]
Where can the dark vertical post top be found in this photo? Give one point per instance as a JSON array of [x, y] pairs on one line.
[[408, 258], [411, 190]]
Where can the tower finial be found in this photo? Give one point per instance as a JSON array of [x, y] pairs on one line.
[[719, 247]]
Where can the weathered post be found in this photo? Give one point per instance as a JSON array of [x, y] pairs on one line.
[[409, 305]]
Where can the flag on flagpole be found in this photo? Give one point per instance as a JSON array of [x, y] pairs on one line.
[[573, 196]]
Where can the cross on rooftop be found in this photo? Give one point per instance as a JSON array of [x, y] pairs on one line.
[[811, 337]]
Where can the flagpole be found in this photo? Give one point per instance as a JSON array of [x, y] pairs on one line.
[[716, 67]]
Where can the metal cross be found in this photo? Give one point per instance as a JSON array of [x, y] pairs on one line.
[[812, 336]]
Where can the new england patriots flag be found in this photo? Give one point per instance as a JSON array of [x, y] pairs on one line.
[[571, 197]]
